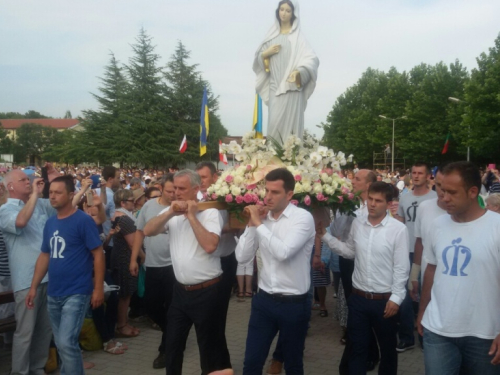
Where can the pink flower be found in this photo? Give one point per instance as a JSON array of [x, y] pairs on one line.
[[328, 171], [248, 198], [350, 196], [239, 199], [229, 178], [229, 198], [294, 202], [345, 190], [205, 196], [255, 198], [259, 203], [249, 167], [341, 199], [307, 200], [320, 197], [251, 186], [298, 177], [214, 197]]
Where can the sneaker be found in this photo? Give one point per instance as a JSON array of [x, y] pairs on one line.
[[275, 367], [403, 346], [160, 361]]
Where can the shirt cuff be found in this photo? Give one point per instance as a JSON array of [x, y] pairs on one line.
[[397, 300]]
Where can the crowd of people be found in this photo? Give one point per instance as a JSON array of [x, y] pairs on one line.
[[422, 250]]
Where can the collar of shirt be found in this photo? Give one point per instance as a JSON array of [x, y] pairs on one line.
[[15, 202], [286, 212], [383, 222]]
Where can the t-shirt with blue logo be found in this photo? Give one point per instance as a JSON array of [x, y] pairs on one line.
[[69, 242]]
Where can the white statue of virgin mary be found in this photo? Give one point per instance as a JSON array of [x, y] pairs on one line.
[[286, 69]]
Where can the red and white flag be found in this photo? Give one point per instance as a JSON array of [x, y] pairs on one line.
[[222, 156], [184, 145]]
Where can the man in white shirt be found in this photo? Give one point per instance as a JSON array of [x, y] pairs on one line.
[[379, 245], [407, 213], [160, 277], [225, 250], [194, 237], [285, 238], [460, 303], [427, 212]]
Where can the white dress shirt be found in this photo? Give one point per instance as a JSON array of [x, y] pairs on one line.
[[380, 253], [193, 265], [285, 246]]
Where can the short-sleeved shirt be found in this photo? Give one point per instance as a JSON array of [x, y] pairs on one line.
[[408, 207], [465, 298], [23, 244], [157, 247], [109, 209], [69, 242], [192, 264]]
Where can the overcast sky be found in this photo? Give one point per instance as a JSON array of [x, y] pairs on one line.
[[53, 51]]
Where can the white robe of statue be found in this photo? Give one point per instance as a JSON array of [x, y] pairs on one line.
[[285, 100]]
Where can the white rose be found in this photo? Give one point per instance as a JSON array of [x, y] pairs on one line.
[[298, 188], [235, 190], [317, 188], [224, 190], [307, 187]]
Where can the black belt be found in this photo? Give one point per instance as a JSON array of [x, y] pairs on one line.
[[284, 297], [368, 295], [203, 285]]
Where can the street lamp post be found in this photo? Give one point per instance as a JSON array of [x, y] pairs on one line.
[[456, 100], [393, 127]]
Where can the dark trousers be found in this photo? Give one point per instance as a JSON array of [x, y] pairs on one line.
[[270, 315], [364, 316], [228, 264], [158, 288], [346, 270], [198, 307], [407, 317], [105, 315]]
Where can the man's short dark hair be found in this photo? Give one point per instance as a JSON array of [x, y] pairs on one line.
[[108, 172], [422, 164], [284, 175], [169, 177], [402, 173], [68, 182], [468, 171], [208, 164], [383, 188]]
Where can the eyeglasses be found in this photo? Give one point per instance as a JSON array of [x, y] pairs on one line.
[[154, 196]]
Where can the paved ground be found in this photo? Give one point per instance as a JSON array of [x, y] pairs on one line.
[[322, 354]]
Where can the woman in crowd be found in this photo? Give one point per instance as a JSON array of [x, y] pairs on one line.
[[123, 239], [493, 202]]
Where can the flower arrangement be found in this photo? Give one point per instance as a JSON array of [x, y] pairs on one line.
[[314, 167]]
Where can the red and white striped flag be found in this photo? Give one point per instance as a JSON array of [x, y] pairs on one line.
[[222, 156], [184, 145]]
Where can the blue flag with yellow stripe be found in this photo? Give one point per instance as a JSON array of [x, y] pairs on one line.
[[257, 117], [204, 125]]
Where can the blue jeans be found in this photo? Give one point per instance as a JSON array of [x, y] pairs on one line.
[[66, 317], [270, 315], [364, 316], [457, 355]]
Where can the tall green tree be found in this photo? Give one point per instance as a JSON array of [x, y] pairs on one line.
[[481, 121], [184, 93], [104, 128], [32, 140]]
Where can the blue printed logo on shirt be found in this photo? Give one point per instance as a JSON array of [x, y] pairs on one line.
[[57, 246], [455, 245]]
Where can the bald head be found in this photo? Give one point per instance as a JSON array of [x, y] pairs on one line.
[[18, 184], [362, 180]]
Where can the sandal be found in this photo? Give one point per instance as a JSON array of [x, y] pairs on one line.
[[116, 349], [323, 313], [315, 306], [241, 297], [132, 332], [248, 294]]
